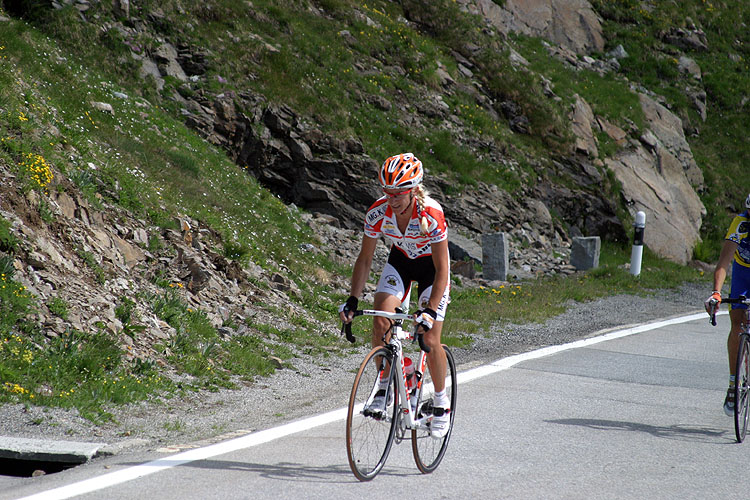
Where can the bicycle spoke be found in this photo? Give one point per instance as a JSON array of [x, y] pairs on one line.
[[369, 434]]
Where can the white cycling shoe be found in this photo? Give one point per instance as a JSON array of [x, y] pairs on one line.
[[376, 407], [441, 423], [729, 402]]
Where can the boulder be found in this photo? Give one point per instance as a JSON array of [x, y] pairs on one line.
[[656, 184], [571, 23], [462, 248], [667, 128], [583, 125]]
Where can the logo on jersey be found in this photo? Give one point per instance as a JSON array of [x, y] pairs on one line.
[[376, 214], [421, 250], [391, 281], [388, 227]]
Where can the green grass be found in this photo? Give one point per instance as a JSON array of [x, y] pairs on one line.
[[608, 95], [276, 51], [15, 300], [472, 311], [89, 259], [8, 241], [42, 87], [84, 371], [58, 307], [248, 355]]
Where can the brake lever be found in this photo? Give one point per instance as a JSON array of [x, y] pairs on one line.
[[346, 329], [714, 309]]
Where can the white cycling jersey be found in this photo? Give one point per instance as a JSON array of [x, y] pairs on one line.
[[380, 219]]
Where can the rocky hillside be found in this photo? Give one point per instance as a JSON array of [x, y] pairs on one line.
[[184, 176]]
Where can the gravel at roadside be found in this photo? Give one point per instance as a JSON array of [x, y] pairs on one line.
[[317, 386]]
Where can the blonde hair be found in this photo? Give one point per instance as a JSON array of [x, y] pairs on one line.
[[420, 194]]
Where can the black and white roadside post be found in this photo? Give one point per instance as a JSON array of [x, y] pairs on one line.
[[637, 254]]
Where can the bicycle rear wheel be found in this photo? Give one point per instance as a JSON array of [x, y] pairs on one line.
[[369, 436], [428, 452], [742, 379]]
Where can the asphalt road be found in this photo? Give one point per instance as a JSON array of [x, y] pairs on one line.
[[632, 415]]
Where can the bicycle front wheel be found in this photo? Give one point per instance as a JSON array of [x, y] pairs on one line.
[[428, 452], [742, 379], [369, 432]]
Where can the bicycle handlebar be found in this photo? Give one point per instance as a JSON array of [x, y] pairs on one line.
[[346, 328], [728, 300]]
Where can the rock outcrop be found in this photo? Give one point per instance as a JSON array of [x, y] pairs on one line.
[[570, 23], [658, 175]]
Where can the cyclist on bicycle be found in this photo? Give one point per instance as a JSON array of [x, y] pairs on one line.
[[415, 226], [736, 250]]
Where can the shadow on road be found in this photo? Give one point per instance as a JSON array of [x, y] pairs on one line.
[[677, 431], [287, 471]]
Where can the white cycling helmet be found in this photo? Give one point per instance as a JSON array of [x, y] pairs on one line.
[[747, 201]]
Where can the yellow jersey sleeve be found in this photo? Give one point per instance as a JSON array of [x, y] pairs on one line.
[[738, 233]]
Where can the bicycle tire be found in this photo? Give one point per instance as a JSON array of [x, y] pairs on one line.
[[741, 387], [369, 439], [429, 452]]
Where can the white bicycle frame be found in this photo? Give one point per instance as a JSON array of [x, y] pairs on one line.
[[399, 334]]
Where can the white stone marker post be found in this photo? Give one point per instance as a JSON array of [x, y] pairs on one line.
[[637, 253]]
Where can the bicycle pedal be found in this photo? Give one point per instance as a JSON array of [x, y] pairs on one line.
[[426, 409], [439, 412], [377, 415]]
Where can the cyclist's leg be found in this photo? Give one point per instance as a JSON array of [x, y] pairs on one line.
[[737, 316], [388, 295], [384, 301], [436, 357], [733, 344], [438, 366], [740, 285], [392, 288]]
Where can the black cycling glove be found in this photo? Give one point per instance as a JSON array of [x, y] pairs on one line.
[[350, 305]]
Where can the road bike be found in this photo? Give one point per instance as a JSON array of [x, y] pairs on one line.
[[742, 372], [409, 410]]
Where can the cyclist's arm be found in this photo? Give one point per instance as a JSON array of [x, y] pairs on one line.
[[363, 265], [725, 258], [441, 259]]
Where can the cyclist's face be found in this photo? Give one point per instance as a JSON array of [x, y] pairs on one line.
[[398, 200]]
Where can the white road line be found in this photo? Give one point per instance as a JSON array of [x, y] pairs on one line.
[[505, 363], [260, 437]]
